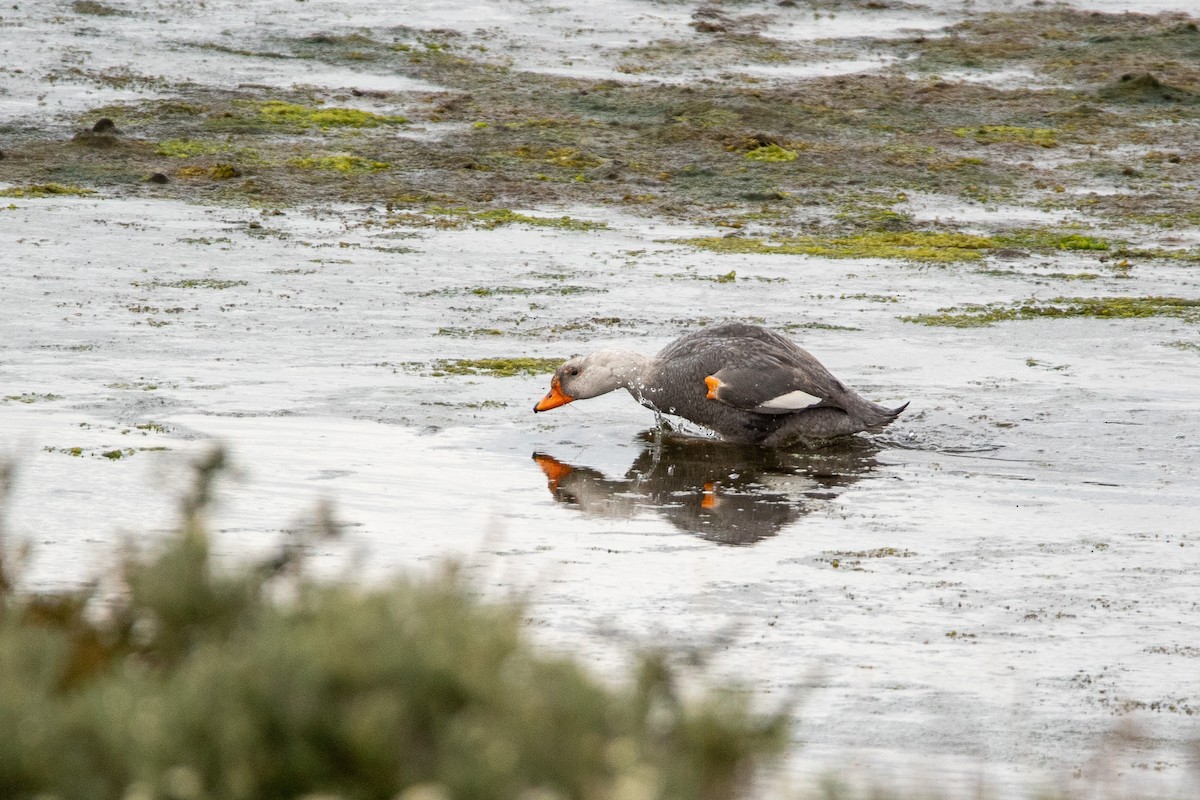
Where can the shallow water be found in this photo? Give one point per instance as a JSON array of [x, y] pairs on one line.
[[991, 590], [990, 586]]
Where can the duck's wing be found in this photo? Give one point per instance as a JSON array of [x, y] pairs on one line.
[[771, 375]]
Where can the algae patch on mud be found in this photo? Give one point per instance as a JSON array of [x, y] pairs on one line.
[[975, 316], [926, 246], [1009, 134], [1045, 239], [30, 398], [444, 217], [190, 283], [771, 153], [293, 115], [495, 367], [46, 190], [344, 163]]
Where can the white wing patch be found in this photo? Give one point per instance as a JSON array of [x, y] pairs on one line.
[[792, 401]]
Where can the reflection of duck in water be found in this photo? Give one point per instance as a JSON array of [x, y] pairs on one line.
[[727, 493], [747, 383]]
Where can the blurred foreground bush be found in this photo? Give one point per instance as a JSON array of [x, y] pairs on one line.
[[199, 683]]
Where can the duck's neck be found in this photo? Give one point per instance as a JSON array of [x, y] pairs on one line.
[[633, 372]]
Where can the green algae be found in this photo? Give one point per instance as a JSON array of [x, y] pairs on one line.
[[1009, 134], [496, 367], [446, 217], [1047, 239], [46, 190], [1158, 254], [344, 163], [468, 333], [790, 327], [190, 283], [293, 115], [497, 217], [926, 246], [224, 172], [144, 386], [771, 153], [490, 291], [190, 148], [976, 316], [29, 397], [75, 452], [878, 552], [95, 9]]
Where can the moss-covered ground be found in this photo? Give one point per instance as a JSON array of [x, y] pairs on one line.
[[1115, 108]]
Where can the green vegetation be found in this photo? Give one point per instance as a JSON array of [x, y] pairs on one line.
[[1047, 239], [46, 190], [189, 148], [30, 397], [1009, 134], [224, 172], [915, 246], [771, 152], [683, 149], [974, 316], [852, 559], [292, 115], [496, 367], [259, 682], [144, 386], [461, 217], [94, 8], [190, 283], [344, 163]]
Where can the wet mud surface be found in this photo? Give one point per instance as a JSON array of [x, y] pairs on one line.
[[370, 242]]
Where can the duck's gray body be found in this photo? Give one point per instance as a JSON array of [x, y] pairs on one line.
[[761, 387]]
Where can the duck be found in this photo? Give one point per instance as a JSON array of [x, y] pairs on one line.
[[747, 383]]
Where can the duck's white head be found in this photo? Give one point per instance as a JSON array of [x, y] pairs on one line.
[[591, 376]]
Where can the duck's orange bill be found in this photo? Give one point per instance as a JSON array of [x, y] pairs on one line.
[[713, 384], [554, 398]]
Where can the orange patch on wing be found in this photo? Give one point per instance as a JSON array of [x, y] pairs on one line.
[[710, 500], [713, 384], [554, 398]]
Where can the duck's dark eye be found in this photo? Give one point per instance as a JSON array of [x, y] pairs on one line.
[[573, 371]]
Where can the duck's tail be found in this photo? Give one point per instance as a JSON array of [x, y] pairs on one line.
[[827, 422], [881, 416]]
